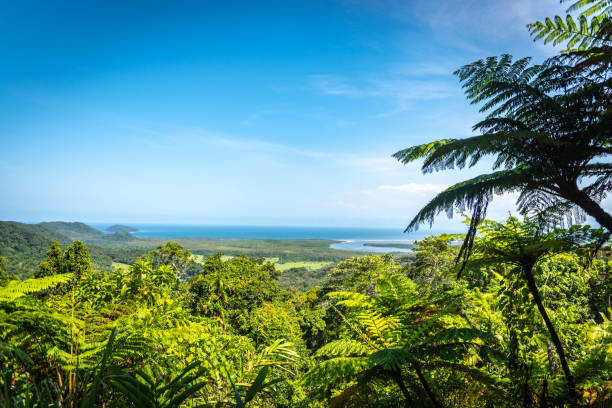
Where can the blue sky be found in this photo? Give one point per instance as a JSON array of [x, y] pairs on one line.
[[264, 113]]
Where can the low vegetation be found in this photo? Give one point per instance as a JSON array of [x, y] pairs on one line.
[[526, 321]]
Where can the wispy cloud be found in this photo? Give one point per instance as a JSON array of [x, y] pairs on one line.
[[402, 91], [497, 17], [397, 88], [469, 24], [415, 188], [433, 67]]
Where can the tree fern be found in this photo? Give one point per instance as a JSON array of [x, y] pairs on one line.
[[344, 348], [386, 341], [15, 289], [547, 128], [590, 28]]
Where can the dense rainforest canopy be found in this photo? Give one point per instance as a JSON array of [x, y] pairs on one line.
[[519, 315], [527, 307]]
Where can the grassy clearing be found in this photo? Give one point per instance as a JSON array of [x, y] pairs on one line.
[[281, 266], [118, 265], [286, 250], [309, 265]]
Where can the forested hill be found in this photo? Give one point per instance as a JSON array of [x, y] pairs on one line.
[[73, 230], [121, 228], [25, 245]]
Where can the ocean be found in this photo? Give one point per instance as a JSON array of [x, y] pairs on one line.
[[351, 238]]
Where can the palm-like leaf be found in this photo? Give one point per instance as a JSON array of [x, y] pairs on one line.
[[547, 124], [387, 341], [578, 33]]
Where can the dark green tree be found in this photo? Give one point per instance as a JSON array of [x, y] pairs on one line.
[[435, 259], [54, 263], [523, 245], [76, 260], [174, 255], [4, 276], [549, 130], [229, 290]]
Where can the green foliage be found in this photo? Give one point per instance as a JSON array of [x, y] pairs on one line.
[[174, 255], [76, 260], [73, 230], [16, 288], [590, 28], [547, 129], [358, 274], [25, 247], [435, 260], [158, 389], [239, 284], [4, 277], [53, 265], [385, 340], [370, 337]]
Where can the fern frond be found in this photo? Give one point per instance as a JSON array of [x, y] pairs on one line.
[[336, 369], [278, 353], [498, 384], [352, 299], [378, 328], [15, 288], [464, 334], [344, 348], [467, 194], [392, 359], [578, 33]]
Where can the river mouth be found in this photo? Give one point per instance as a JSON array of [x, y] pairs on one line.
[[375, 246]]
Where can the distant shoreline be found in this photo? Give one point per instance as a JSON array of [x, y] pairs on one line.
[[349, 234]]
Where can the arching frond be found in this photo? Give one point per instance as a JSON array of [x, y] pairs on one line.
[[394, 290], [344, 348], [417, 152], [336, 369], [455, 335], [392, 359], [589, 28], [352, 299], [16, 288], [467, 194], [378, 328], [577, 33]]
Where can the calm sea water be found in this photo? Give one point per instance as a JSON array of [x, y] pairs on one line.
[[352, 238]]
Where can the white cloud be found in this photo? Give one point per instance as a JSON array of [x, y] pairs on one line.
[[470, 25], [416, 188], [401, 90], [400, 203], [379, 164], [496, 17]]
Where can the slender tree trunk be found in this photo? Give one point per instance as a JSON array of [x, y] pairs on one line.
[[513, 354], [397, 376], [590, 206], [571, 387], [526, 393], [428, 390], [544, 397], [551, 358]]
